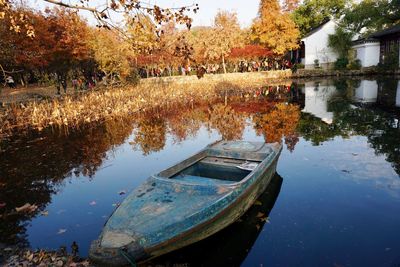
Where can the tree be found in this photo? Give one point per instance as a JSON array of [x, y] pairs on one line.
[[311, 13], [341, 41], [60, 43], [111, 53], [250, 51], [225, 35], [290, 5], [369, 16], [104, 11], [274, 29]]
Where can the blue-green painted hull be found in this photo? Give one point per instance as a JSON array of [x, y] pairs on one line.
[[170, 211]]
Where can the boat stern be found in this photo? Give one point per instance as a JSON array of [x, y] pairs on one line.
[[116, 250]]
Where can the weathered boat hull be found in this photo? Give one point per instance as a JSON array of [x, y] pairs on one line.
[[231, 203], [219, 222]]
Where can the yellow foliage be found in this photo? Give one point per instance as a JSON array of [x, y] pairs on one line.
[[274, 29]]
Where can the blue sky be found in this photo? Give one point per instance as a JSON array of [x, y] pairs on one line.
[[246, 10]]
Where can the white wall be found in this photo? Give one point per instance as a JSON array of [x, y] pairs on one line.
[[316, 46], [316, 100], [368, 53], [367, 92]]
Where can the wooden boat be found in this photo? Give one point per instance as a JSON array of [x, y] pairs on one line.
[[186, 202], [230, 246]]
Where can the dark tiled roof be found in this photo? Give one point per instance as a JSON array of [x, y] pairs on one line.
[[365, 40], [313, 30], [388, 31]]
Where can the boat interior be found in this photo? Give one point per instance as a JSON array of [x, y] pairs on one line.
[[225, 170]]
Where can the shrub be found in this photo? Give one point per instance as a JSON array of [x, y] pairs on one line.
[[341, 63], [354, 65], [316, 63], [390, 62]]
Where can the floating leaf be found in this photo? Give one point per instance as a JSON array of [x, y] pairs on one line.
[[257, 203], [26, 208], [45, 213], [61, 231], [260, 214]]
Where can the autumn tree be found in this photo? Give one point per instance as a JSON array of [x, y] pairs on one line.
[[60, 43], [111, 53], [104, 11], [224, 35], [290, 5], [274, 29]]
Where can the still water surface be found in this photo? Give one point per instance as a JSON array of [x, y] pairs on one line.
[[335, 200]]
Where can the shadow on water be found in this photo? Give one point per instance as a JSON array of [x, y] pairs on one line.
[[230, 246]]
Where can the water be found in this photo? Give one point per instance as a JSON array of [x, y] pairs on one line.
[[335, 200]]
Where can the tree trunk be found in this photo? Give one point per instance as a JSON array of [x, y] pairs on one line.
[[223, 63]]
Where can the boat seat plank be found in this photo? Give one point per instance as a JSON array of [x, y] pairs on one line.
[[200, 180]]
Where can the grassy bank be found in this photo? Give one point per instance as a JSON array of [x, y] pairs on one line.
[[74, 111]]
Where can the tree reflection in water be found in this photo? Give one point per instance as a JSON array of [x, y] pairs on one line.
[[34, 168]]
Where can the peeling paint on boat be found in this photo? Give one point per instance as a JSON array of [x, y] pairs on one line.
[[173, 209]]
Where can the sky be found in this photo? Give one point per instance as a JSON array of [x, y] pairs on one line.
[[246, 9]]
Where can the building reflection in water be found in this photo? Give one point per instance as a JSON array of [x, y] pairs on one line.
[[366, 92], [317, 95]]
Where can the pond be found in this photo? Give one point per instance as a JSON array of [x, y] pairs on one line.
[[334, 201]]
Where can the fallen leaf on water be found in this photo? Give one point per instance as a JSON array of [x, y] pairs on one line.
[[44, 213], [92, 203], [260, 214], [257, 203], [30, 257], [26, 208], [265, 219], [61, 231]]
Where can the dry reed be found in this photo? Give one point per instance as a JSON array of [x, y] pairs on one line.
[[101, 105]]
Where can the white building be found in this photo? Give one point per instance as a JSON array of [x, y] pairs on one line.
[[367, 92], [316, 46], [317, 95], [367, 51]]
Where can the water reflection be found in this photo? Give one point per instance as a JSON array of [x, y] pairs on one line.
[[230, 246], [37, 169], [367, 92], [317, 95]]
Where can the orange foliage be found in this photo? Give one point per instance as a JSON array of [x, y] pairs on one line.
[[281, 121], [250, 52]]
